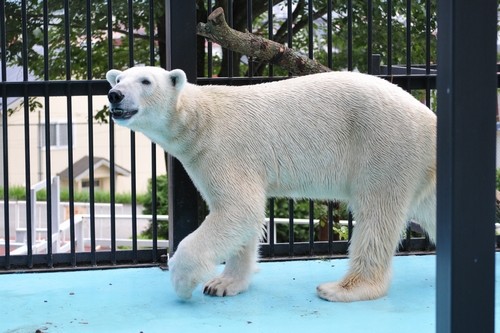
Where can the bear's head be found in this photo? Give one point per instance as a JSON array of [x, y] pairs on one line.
[[140, 96]]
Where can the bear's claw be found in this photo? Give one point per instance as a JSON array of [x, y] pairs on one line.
[[213, 291], [223, 286]]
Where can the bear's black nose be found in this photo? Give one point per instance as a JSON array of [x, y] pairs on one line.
[[115, 96]]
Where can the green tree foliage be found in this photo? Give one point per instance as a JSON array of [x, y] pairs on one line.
[[82, 33], [301, 210], [498, 180], [398, 17], [161, 204], [68, 31]]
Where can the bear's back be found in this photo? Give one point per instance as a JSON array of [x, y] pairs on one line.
[[329, 125]]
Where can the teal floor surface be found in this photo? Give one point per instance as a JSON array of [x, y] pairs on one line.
[[281, 299]]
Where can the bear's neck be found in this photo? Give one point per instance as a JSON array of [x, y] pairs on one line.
[[183, 131]]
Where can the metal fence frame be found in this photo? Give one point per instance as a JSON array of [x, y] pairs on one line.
[[460, 133], [185, 202], [69, 87], [467, 100]]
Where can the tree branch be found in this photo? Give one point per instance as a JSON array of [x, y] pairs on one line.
[[217, 30]]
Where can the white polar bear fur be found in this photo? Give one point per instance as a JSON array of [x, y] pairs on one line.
[[339, 135]]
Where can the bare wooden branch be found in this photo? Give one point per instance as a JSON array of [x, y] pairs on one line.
[[217, 30]]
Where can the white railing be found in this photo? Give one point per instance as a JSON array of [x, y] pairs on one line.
[[124, 242], [22, 233], [62, 237]]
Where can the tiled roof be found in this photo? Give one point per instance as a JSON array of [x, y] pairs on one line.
[[81, 168]]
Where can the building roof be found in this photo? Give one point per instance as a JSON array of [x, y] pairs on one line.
[[81, 168], [14, 74]]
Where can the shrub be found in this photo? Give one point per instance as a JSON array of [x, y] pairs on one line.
[[161, 206], [19, 193], [300, 211]]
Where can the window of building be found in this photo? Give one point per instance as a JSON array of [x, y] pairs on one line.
[[58, 135], [86, 183]]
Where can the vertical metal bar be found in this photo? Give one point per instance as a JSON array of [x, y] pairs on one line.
[[110, 34], [428, 50], [349, 35], [249, 28], [152, 53], [111, 129], [90, 128], [270, 30], [5, 137], [130, 22], [181, 53], [428, 35], [408, 79], [291, 236], [29, 221], [408, 38], [133, 180], [330, 226], [310, 29], [369, 18], [349, 225], [55, 184], [154, 213], [34, 217], [210, 64], [69, 112], [154, 198], [329, 38], [230, 54], [133, 190], [272, 228], [46, 79], [466, 146], [311, 227], [133, 168], [389, 37], [406, 244], [289, 23]]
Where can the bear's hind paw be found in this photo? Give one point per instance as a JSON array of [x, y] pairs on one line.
[[340, 292], [225, 286]]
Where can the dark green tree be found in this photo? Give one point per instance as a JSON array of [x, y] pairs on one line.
[[161, 205]]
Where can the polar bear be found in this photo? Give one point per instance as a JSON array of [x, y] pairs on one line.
[[338, 135]]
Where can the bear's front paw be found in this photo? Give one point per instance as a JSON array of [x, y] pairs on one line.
[[187, 272], [225, 286], [351, 290]]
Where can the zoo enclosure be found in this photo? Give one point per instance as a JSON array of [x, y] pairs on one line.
[[64, 48]]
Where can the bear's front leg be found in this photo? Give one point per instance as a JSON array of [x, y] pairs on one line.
[[191, 264], [237, 273], [228, 234]]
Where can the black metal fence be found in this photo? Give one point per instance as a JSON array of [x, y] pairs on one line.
[[63, 49]]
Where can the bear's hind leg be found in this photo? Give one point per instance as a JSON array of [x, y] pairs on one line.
[[237, 272], [425, 214], [376, 235]]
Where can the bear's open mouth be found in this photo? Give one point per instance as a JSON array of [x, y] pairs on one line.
[[118, 113]]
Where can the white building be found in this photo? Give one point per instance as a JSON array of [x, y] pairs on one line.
[[58, 110]]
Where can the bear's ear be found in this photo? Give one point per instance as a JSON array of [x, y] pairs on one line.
[[111, 76], [177, 78]]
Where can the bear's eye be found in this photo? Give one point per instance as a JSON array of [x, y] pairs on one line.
[[146, 82], [117, 80]]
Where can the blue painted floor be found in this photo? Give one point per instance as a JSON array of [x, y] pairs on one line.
[[281, 299]]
